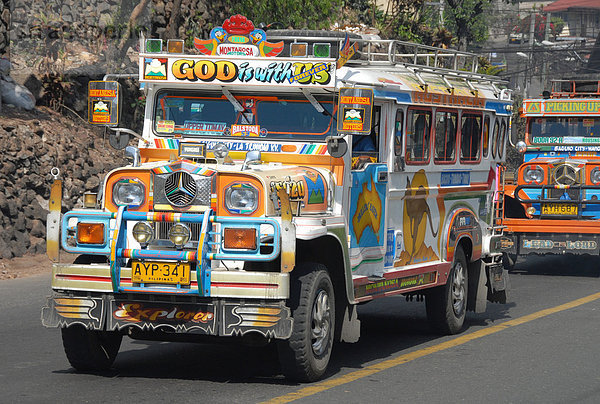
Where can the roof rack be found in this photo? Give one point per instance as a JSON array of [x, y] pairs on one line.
[[388, 53], [381, 53], [575, 88]]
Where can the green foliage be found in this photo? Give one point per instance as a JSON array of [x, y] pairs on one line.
[[486, 67], [296, 14], [404, 20], [468, 20]]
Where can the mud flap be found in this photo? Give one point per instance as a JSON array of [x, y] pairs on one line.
[[498, 284], [350, 325], [477, 298]]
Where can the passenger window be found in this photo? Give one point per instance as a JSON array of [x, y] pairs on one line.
[[418, 136], [398, 132], [501, 139], [470, 138], [445, 137], [495, 138], [486, 136]]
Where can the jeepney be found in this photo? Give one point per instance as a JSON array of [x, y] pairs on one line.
[[276, 185], [551, 203]]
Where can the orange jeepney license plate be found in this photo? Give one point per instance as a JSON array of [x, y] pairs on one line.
[[559, 209], [160, 272]]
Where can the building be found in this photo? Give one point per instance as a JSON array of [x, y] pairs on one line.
[[581, 17]]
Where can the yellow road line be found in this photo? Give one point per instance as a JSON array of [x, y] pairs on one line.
[[390, 363]]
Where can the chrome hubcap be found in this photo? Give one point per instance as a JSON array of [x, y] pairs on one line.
[[458, 289], [320, 323]]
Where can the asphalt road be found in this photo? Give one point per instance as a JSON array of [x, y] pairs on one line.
[[549, 357]]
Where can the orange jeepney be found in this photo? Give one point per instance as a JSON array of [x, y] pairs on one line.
[[551, 204]]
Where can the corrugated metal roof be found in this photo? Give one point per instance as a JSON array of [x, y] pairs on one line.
[[563, 5]]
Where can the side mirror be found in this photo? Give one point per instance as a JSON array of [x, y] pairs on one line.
[[336, 146], [251, 157], [118, 139]]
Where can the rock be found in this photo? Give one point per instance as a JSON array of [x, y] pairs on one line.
[[16, 94], [5, 250], [37, 229]]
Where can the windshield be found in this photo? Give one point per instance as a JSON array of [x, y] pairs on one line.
[[551, 130], [274, 116]]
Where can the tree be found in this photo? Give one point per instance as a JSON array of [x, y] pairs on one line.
[[467, 19], [297, 14]]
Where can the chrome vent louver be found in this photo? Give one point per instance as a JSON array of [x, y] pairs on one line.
[[180, 189]]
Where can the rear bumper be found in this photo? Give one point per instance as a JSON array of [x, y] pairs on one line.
[[183, 315]]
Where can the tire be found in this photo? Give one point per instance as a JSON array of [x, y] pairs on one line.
[[446, 305], [90, 350], [305, 355]]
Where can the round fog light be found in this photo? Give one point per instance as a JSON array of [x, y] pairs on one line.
[[143, 232], [179, 234], [530, 211]]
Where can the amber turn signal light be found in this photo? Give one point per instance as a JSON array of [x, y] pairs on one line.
[[90, 233], [239, 238]]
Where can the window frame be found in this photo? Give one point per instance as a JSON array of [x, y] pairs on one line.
[[473, 114], [495, 135], [502, 138], [434, 128], [398, 149], [485, 152], [406, 154]]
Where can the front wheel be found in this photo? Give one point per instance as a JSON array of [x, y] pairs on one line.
[[447, 305], [305, 356], [90, 350]]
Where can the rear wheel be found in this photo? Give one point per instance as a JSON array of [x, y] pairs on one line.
[[305, 356], [447, 305], [90, 350]]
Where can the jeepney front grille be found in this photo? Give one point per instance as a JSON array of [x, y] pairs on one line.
[[567, 175], [182, 189]]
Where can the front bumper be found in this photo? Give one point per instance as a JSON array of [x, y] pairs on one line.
[[525, 243], [184, 315]]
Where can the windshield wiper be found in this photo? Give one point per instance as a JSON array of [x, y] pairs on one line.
[[313, 101], [236, 104]]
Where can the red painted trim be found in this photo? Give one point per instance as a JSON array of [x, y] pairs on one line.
[[441, 279], [90, 278], [402, 273], [244, 285]]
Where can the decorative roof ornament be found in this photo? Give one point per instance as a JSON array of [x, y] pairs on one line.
[[238, 37]]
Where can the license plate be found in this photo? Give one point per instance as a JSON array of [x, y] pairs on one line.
[[160, 272], [559, 209]]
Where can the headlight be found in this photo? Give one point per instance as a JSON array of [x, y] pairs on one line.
[[130, 192], [533, 174], [179, 234], [595, 176], [241, 198], [143, 232]]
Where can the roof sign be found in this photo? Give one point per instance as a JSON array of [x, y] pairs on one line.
[[238, 37]]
